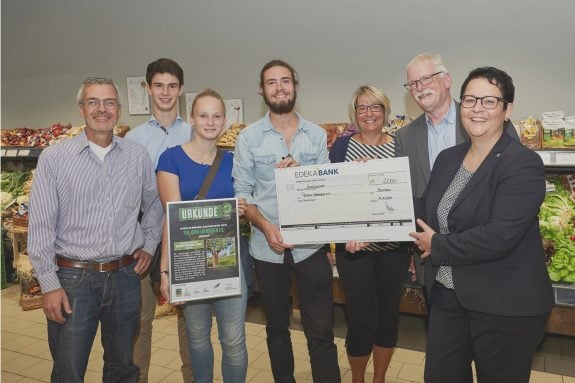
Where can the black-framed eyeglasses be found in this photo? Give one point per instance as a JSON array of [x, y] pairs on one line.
[[425, 80], [108, 103], [488, 102], [361, 109]]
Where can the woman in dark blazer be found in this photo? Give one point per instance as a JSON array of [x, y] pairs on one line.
[[489, 292]]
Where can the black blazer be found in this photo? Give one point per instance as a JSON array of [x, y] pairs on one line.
[[494, 245]]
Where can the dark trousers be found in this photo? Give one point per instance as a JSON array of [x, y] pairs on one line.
[[372, 282], [502, 347], [314, 285]]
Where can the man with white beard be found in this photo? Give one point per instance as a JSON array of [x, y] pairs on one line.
[[438, 128]]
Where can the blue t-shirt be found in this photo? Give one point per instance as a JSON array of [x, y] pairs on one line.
[[192, 174]]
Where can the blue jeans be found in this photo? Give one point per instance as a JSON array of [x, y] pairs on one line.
[[231, 318], [110, 298]]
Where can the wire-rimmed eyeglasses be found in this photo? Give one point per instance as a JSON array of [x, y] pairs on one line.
[[108, 103], [425, 80]]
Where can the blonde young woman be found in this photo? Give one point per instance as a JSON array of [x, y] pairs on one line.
[[371, 275], [181, 171]]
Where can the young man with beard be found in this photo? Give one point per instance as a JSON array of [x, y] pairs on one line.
[[165, 129], [86, 243], [282, 138], [438, 128]]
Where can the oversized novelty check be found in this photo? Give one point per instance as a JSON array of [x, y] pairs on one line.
[[204, 249], [363, 201]]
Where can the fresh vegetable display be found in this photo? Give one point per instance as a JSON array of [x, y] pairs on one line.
[[34, 137], [13, 182], [17, 137], [6, 199], [557, 222], [40, 138], [13, 187]]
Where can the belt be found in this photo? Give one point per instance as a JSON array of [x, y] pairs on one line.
[[97, 267]]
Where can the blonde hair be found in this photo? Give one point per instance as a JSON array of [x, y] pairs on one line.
[[371, 92], [208, 92]]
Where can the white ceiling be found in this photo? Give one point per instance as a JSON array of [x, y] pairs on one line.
[[335, 45]]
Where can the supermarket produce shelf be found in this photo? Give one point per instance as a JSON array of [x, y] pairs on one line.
[[20, 152]]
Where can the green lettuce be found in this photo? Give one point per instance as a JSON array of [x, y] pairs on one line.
[[556, 219]]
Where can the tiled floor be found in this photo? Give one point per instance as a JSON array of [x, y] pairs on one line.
[[25, 355]]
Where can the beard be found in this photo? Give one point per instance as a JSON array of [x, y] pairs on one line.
[[281, 107]]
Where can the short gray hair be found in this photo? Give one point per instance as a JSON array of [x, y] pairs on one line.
[[434, 58], [96, 80]]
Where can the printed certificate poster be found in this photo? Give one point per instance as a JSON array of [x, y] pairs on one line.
[[364, 201], [234, 111], [203, 240], [138, 100]]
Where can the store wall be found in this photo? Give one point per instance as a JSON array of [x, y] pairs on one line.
[[50, 46]]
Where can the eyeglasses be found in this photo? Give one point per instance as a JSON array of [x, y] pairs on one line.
[[425, 80], [361, 109], [488, 102], [109, 103]]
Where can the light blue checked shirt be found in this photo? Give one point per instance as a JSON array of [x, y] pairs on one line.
[[442, 136], [156, 139], [259, 148]]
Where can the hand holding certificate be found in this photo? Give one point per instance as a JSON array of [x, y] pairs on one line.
[[363, 201], [203, 243]]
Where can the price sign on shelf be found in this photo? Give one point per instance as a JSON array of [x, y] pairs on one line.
[[557, 158], [545, 156], [565, 158]]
